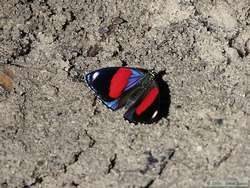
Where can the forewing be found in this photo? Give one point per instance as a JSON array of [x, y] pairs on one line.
[[111, 83]]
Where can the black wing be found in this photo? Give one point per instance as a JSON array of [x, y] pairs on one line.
[[157, 90], [103, 81]]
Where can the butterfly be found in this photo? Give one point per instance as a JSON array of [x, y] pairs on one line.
[[137, 89]]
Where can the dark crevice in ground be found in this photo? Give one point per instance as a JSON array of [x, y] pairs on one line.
[[223, 159], [4, 185], [165, 160], [93, 50], [22, 108], [45, 3], [96, 110], [120, 48], [31, 15], [72, 18], [246, 48], [105, 31], [92, 141], [94, 101], [74, 72], [65, 168], [76, 157], [149, 184], [74, 184], [151, 160], [124, 63], [38, 180], [25, 49], [71, 67], [112, 163], [241, 52]]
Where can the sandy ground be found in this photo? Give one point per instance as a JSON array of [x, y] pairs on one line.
[[53, 132]]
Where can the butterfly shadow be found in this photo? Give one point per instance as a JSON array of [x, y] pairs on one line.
[[165, 97]]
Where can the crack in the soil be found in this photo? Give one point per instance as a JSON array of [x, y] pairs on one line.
[[76, 157], [241, 52], [94, 101], [223, 159], [72, 71], [149, 184], [25, 48], [92, 141], [105, 31], [65, 168], [112, 164], [74, 184], [124, 63], [4, 185], [246, 48], [151, 160], [22, 108], [38, 180], [71, 18], [165, 161], [94, 50]]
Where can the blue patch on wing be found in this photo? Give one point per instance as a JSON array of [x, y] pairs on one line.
[[134, 78], [112, 105]]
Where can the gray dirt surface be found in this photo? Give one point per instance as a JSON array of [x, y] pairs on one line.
[[53, 132]]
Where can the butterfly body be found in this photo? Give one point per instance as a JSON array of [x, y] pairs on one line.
[[135, 89], [139, 90]]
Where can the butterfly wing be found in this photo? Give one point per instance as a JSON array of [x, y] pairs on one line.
[[111, 83], [147, 108]]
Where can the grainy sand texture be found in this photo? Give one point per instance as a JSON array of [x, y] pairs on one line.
[[53, 131]]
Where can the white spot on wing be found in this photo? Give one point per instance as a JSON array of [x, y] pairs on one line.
[[95, 75], [155, 113]]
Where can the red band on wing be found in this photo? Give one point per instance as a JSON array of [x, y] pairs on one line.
[[119, 82], [147, 101]]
